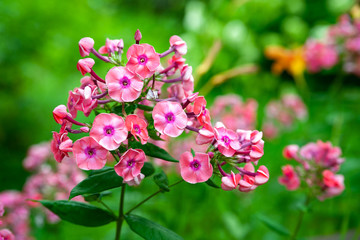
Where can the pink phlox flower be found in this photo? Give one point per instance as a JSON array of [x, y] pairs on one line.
[[89, 154], [230, 182], [334, 184], [111, 46], [60, 113], [247, 183], [137, 127], [187, 78], [123, 85], [227, 140], [199, 105], [136, 181], [291, 151], [61, 145], [90, 81], [178, 45], [177, 91], [178, 63], [6, 234], [290, 179], [130, 164], [319, 56], [36, 155], [262, 175], [169, 118], [85, 65], [85, 46], [109, 130], [81, 99], [142, 60], [195, 169], [295, 105], [205, 135]]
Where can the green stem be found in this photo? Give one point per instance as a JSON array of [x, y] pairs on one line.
[[300, 219], [151, 196], [121, 213], [107, 207]]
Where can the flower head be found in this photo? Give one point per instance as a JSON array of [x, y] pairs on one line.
[[112, 46], [85, 65], [179, 45], [142, 60], [137, 127], [130, 164], [109, 130], [230, 182], [169, 118], [85, 46], [290, 179], [123, 85], [227, 140], [195, 169], [60, 113], [61, 145], [89, 155]]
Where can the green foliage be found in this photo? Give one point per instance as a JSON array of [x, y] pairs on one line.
[[153, 151], [148, 169], [274, 226], [162, 181]]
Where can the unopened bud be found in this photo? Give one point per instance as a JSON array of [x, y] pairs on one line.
[[137, 36]]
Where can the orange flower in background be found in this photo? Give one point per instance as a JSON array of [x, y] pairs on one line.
[[290, 60]]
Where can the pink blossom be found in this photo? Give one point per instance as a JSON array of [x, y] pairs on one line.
[[81, 99], [177, 91], [136, 181], [262, 175], [334, 184], [130, 164], [199, 105], [89, 155], [205, 135], [204, 117], [137, 127], [227, 140], [187, 79], [247, 183], [290, 151], [123, 85], [60, 113], [290, 179], [169, 118], [142, 60], [5, 234], [61, 145], [36, 155], [177, 62], [195, 169], [85, 46], [319, 56], [230, 182], [112, 46], [178, 45], [109, 130], [137, 36], [85, 65]]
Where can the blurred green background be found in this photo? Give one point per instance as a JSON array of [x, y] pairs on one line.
[[38, 56]]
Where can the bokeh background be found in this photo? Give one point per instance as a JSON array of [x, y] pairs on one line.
[[38, 56]]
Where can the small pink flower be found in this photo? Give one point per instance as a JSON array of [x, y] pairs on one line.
[[36, 155], [195, 169], [60, 113], [123, 85], [112, 46], [137, 127], [334, 184], [247, 184], [290, 179], [262, 175], [5, 234], [109, 130], [179, 45], [85, 46], [199, 105], [61, 145], [89, 155], [206, 135], [329, 178], [130, 164], [169, 118], [142, 60], [81, 99], [204, 117], [187, 79], [85, 65], [178, 63], [290, 151], [136, 181], [230, 182], [227, 140]]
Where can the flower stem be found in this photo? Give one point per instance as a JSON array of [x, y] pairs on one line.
[[300, 219], [121, 213], [151, 196]]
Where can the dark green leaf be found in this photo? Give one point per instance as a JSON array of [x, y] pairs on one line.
[[117, 110], [193, 152], [130, 108], [153, 151], [79, 213], [144, 107], [274, 226], [211, 183], [104, 169], [162, 181], [97, 182], [150, 230], [153, 133], [148, 169], [92, 197]]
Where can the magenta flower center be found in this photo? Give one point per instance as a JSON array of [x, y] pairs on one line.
[[170, 117], [125, 82], [226, 140], [90, 152], [195, 165], [142, 59], [137, 128], [108, 130], [130, 163]]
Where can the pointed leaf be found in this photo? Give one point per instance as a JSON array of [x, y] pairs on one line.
[[162, 181], [153, 151], [148, 169], [130, 108], [145, 107], [274, 226], [193, 152], [150, 230], [79, 213], [97, 182], [211, 183]]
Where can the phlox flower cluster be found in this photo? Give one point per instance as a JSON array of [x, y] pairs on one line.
[[318, 164], [147, 97], [282, 114], [47, 181]]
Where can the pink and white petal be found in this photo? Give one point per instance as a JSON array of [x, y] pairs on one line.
[[172, 131]]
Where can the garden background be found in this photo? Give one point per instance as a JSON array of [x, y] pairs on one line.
[[38, 56]]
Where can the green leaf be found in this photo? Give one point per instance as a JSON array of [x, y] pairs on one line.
[[274, 226], [97, 182], [211, 183], [148, 169], [153, 133], [193, 152], [79, 213], [117, 110], [153, 151], [150, 230], [144, 107], [162, 181], [130, 108]]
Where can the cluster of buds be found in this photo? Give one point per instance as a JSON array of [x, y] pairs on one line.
[[59, 182], [319, 55], [282, 114], [319, 163], [129, 109]]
